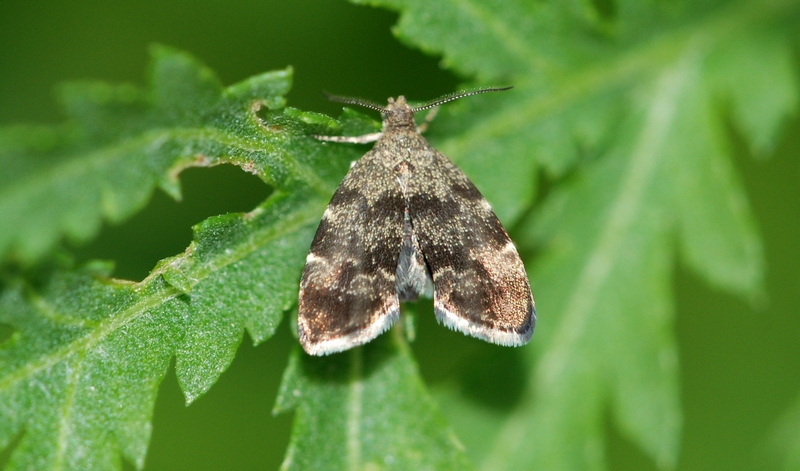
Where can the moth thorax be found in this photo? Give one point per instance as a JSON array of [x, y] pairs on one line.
[[398, 115]]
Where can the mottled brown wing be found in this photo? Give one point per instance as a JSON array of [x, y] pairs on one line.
[[480, 284], [347, 291]]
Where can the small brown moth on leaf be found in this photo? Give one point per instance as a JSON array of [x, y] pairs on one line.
[[406, 222]]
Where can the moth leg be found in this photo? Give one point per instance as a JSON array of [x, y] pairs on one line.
[[428, 118], [365, 139]]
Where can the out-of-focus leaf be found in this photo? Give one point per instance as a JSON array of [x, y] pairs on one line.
[[623, 109]]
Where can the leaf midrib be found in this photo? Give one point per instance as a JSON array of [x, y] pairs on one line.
[[637, 177], [354, 410]]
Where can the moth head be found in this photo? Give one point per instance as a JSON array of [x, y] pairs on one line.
[[398, 115]]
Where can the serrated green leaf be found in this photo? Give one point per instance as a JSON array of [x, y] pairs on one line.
[[120, 142], [362, 410], [631, 105], [79, 375]]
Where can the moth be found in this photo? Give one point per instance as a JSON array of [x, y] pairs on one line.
[[406, 222]]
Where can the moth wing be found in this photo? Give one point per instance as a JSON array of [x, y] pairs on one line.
[[347, 290], [480, 284]]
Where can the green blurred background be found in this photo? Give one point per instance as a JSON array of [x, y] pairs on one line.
[[739, 364]]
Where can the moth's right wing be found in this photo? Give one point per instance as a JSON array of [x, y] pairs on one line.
[[480, 284], [348, 293]]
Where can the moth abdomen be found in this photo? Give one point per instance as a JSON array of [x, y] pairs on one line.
[[413, 278]]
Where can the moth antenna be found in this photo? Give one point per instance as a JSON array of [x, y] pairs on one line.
[[355, 101], [455, 96]]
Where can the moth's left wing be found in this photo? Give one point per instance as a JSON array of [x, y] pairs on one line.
[[480, 285], [348, 292]]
